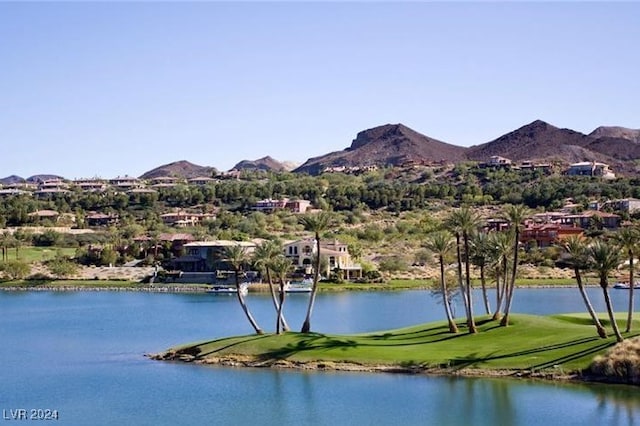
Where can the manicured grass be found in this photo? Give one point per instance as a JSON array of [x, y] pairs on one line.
[[36, 254], [561, 343]]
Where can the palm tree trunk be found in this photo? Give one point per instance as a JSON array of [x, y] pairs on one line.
[[243, 304], [276, 304], [463, 292], [485, 295], [453, 328], [467, 272], [496, 314], [306, 325], [607, 301], [280, 319], [585, 297], [514, 269], [631, 286]]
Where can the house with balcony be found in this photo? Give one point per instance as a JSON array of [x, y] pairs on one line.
[[592, 219], [294, 206], [547, 234], [302, 252], [96, 219], [126, 183], [208, 256], [591, 168]]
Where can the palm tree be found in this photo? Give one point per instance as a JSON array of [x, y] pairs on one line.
[[5, 243], [481, 254], [628, 240], [501, 252], [576, 247], [464, 222], [605, 258], [280, 266], [515, 215], [263, 257], [236, 255], [441, 244], [316, 223]]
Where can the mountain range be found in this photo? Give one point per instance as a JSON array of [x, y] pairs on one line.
[[397, 144]]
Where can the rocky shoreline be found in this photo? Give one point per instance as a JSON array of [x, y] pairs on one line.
[[244, 361]]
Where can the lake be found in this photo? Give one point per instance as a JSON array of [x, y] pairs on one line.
[[82, 355]]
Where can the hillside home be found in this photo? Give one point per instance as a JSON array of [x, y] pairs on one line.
[[101, 219], [589, 168], [592, 218], [201, 181], [126, 183], [625, 205], [164, 182], [294, 206], [498, 161], [90, 185], [302, 252], [208, 256], [547, 234]]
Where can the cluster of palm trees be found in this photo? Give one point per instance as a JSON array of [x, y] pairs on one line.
[[603, 256], [270, 260], [9, 240], [462, 232], [496, 254]]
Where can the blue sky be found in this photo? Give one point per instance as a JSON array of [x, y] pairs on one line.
[[107, 89]]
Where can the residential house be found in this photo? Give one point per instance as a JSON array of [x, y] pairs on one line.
[[208, 256], [90, 185], [302, 252], [546, 234], [95, 219], [498, 161], [592, 218], [294, 206], [626, 205], [201, 181], [126, 183], [39, 215], [591, 168]]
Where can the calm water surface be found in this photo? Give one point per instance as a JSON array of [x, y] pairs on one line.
[[82, 355]]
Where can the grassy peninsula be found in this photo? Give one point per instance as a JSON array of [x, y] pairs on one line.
[[557, 346]]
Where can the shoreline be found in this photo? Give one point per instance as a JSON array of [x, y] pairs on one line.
[[244, 361]]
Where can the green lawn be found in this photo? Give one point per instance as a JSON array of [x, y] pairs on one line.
[[560, 343], [36, 254]]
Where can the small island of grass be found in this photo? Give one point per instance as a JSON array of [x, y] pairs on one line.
[[553, 347]]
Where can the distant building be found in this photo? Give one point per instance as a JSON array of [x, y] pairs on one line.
[[497, 161], [626, 205], [101, 219], [294, 206], [547, 234], [588, 168], [208, 256]]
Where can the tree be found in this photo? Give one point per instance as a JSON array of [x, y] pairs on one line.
[[5, 242], [576, 247], [464, 222], [515, 215], [481, 253], [501, 243], [316, 223], [263, 258], [441, 243], [605, 257], [281, 267], [628, 240], [237, 256]]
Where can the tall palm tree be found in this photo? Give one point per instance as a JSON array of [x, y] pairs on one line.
[[628, 240], [576, 247], [515, 215], [481, 254], [236, 255], [501, 243], [605, 257], [280, 266], [263, 257], [464, 222], [316, 223], [441, 243], [5, 243]]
